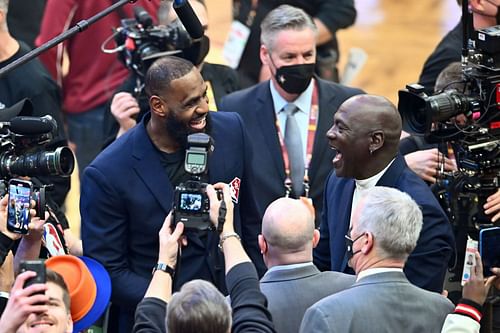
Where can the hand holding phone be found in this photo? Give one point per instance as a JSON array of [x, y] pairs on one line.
[[18, 209]]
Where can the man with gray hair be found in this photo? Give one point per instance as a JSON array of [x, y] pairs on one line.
[[385, 228], [289, 114], [292, 282]]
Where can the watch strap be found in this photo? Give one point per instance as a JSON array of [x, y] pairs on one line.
[[164, 268]]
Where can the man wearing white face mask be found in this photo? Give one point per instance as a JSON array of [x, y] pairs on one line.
[[288, 115]]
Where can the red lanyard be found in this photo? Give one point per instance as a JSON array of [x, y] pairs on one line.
[[311, 131]]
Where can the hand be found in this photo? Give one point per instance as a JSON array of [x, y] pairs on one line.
[[476, 288], [425, 163], [4, 202], [124, 107], [35, 227], [496, 281], [492, 206], [215, 205], [170, 241], [23, 302]]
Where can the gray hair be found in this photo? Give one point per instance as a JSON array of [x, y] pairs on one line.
[[394, 219], [284, 17], [4, 5], [198, 308]]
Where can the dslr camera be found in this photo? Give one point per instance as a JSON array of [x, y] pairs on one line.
[[191, 203]]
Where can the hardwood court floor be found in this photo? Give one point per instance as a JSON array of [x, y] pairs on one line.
[[397, 36]]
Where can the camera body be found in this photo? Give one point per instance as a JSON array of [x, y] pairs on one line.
[[475, 143], [140, 42], [191, 202]]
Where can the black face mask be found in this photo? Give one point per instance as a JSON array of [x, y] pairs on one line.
[[294, 79], [349, 246]]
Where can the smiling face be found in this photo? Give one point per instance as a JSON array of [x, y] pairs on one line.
[[56, 320], [350, 138], [186, 106]]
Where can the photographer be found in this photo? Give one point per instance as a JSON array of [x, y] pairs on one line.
[[207, 310], [29, 311], [42, 91]]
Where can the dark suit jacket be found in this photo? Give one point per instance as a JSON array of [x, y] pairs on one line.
[[126, 195], [426, 266], [255, 105], [383, 302], [291, 291]]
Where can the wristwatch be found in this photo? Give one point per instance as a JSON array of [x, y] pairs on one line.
[[164, 268]]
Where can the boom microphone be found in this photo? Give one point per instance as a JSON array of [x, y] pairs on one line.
[[32, 125], [189, 19]]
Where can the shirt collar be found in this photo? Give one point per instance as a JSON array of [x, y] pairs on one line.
[[291, 266], [373, 271], [303, 101], [365, 184]]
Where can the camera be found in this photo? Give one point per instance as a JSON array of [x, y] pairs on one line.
[[139, 42], [23, 152], [191, 202], [475, 142]]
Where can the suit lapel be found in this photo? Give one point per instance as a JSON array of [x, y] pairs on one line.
[[148, 167], [392, 174], [267, 123]]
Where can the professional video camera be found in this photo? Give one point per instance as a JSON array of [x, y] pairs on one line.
[[475, 143], [139, 42], [22, 151], [191, 203]]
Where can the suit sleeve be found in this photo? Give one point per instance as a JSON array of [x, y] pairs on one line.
[[316, 320], [56, 19], [321, 253], [427, 264], [336, 14], [251, 222], [105, 234]]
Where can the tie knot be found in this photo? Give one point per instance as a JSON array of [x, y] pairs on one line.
[[290, 109]]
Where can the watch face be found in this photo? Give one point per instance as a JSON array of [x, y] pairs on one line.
[[164, 268]]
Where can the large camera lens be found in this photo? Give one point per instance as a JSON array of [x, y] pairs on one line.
[[448, 104], [60, 162]]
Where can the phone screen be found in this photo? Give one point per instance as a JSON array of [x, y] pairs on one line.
[[18, 216], [489, 243]]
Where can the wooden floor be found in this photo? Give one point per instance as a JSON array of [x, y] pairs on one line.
[[397, 36]]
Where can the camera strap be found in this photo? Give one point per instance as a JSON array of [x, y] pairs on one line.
[[222, 216]]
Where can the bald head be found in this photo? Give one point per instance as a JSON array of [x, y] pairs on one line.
[[374, 113], [288, 225]]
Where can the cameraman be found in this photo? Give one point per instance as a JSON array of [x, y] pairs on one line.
[[32, 81], [127, 109], [207, 310]]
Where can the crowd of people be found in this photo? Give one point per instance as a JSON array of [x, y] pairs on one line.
[[321, 218]]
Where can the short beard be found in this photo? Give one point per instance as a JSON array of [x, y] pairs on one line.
[[179, 131]]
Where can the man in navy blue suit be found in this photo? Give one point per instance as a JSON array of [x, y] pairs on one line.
[[288, 48], [365, 136], [128, 189]]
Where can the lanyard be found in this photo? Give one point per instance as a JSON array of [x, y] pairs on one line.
[[311, 131]]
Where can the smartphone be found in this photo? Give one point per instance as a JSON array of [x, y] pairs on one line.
[[489, 247], [18, 213], [37, 266]]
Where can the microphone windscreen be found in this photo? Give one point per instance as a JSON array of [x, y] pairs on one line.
[[31, 125], [189, 19]]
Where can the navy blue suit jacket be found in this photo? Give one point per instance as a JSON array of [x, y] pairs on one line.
[[255, 105], [126, 195], [426, 266]]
